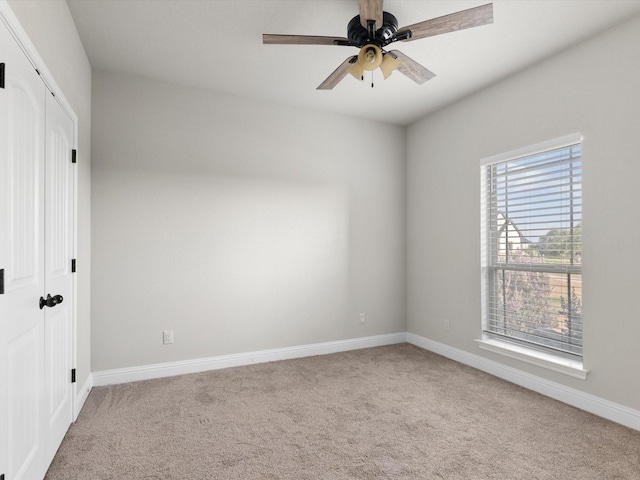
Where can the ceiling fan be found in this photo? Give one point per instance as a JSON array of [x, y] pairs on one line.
[[373, 29]]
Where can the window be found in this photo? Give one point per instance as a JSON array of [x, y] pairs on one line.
[[532, 247]]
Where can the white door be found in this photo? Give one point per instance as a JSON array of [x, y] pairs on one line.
[[22, 191], [35, 343], [58, 320]]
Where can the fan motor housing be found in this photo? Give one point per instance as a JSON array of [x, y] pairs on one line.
[[383, 36]]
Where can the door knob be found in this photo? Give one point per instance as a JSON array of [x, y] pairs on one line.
[[50, 301]]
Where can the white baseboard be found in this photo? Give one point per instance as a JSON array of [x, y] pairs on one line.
[[81, 396], [584, 401], [146, 372]]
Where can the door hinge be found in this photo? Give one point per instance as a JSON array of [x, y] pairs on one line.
[[74, 155], [73, 379], [1, 286], [1, 83], [73, 265]]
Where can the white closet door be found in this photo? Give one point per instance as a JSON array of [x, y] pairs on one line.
[[22, 109], [58, 320], [36, 248]]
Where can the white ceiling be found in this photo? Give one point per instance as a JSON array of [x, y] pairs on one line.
[[217, 45]]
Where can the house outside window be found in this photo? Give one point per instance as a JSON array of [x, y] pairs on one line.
[[532, 247]]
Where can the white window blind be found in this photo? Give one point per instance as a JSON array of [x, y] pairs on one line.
[[532, 246]]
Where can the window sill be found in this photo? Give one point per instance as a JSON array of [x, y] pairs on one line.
[[566, 366]]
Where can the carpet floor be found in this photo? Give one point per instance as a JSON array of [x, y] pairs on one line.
[[393, 412]]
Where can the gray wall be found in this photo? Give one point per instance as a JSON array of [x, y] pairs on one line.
[[239, 225], [51, 29], [593, 88]]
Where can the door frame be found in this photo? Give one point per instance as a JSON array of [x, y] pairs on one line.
[[9, 19]]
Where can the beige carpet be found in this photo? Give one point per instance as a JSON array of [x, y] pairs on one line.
[[395, 412]]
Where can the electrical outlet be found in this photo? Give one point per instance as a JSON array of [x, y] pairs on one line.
[[167, 337], [446, 325], [361, 317]]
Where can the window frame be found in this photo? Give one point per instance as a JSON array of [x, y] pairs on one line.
[[570, 363]]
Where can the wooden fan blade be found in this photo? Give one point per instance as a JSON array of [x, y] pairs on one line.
[[411, 68], [473, 17], [303, 40], [338, 74], [370, 10]]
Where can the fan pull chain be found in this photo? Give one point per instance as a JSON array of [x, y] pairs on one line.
[[371, 78]]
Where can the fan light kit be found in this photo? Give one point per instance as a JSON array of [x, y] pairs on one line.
[[373, 29]]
